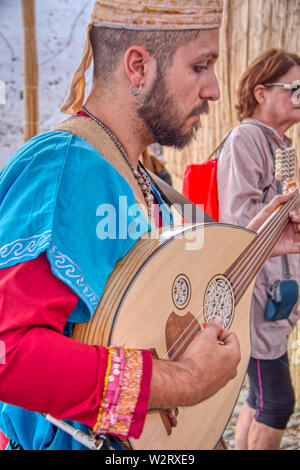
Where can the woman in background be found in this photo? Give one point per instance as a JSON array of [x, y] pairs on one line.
[[268, 105]]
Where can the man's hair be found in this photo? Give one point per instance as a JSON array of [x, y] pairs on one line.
[[267, 68], [109, 46]]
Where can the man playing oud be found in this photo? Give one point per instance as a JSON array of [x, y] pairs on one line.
[[153, 78]]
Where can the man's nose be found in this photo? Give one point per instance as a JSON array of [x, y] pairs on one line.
[[211, 91]]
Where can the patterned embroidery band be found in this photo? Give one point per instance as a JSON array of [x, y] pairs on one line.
[[122, 387], [68, 271], [24, 249], [144, 15], [163, 14]]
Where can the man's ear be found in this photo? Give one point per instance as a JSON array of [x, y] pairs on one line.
[[260, 93], [137, 64]]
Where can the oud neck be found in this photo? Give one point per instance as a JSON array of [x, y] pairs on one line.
[[246, 267]]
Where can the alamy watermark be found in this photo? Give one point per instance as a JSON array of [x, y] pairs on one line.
[[129, 222], [2, 92]]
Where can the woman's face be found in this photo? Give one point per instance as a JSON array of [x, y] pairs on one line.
[[280, 104]]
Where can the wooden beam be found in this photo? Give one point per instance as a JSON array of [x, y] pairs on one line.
[[31, 111]]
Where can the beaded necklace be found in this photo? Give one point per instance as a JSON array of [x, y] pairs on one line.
[[140, 175]]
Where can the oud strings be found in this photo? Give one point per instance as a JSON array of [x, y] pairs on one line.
[[249, 259]]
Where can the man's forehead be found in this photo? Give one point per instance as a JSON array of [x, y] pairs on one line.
[[204, 47], [208, 55]]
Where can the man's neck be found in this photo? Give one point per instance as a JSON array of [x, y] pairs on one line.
[[122, 125]]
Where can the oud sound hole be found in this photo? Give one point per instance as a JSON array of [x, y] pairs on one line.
[[181, 291], [219, 301]]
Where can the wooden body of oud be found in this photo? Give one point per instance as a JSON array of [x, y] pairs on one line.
[[137, 304]]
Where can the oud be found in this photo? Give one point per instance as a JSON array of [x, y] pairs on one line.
[[160, 294]]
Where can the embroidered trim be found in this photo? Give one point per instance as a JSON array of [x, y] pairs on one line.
[[62, 265], [122, 386], [24, 247], [67, 270]]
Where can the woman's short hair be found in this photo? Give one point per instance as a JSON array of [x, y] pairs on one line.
[[266, 68]]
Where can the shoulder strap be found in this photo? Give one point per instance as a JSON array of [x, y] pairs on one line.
[[216, 152], [279, 191], [91, 132]]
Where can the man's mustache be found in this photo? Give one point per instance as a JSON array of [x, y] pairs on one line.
[[202, 108]]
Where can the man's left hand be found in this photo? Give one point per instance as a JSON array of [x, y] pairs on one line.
[[290, 240]]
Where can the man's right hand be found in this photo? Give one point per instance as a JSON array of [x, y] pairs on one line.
[[212, 360], [206, 366]]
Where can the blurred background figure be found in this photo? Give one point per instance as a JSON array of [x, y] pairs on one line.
[[152, 159], [268, 105]]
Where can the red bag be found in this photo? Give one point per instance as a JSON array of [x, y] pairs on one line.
[[3, 441], [200, 186]]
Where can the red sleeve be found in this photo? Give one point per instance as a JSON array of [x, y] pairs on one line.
[[44, 370]]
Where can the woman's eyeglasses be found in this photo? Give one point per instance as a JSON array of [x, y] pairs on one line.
[[293, 87]]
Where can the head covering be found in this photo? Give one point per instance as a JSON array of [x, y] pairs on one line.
[[146, 15]]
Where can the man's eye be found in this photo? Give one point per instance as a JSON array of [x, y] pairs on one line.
[[200, 68]]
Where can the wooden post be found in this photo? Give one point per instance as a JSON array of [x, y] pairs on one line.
[[31, 112]]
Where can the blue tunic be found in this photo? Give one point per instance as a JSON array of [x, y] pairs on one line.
[[60, 196]]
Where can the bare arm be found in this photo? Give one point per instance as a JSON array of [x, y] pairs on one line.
[[290, 240]]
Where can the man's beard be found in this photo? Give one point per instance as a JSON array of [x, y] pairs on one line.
[[158, 111]]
